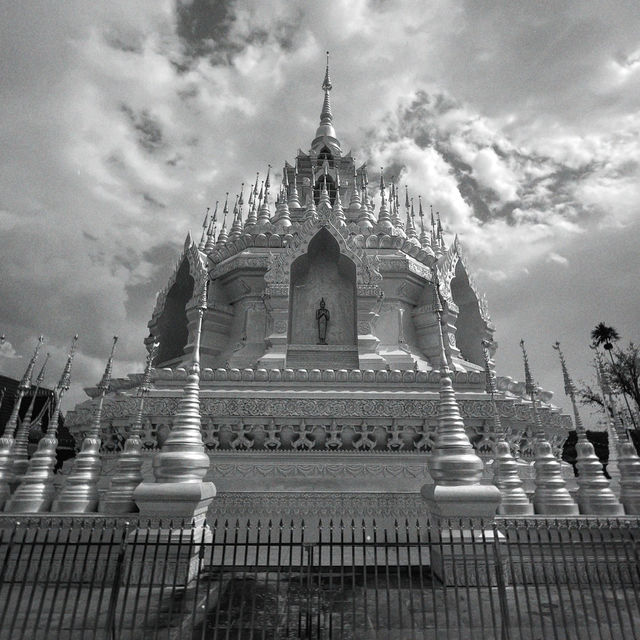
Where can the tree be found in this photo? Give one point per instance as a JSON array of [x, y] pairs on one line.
[[622, 373]]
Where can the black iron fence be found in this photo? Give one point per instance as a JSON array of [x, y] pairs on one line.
[[506, 579]]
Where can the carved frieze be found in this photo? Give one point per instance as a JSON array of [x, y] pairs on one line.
[[308, 504], [318, 407], [241, 261], [318, 469]]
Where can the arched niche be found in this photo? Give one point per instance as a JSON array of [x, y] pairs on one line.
[[331, 188], [322, 272], [325, 154], [171, 327], [471, 328]]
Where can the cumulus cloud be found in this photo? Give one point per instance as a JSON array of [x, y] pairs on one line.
[[122, 122], [7, 351]]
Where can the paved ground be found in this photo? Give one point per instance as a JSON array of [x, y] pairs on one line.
[[380, 604]]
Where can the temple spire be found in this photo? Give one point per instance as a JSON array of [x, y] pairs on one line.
[[23, 386], [205, 226], [505, 468], [326, 117], [36, 490], [19, 453], [550, 495], [80, 492], [211, 241], [128, 474], [594, 491], [223, 235]]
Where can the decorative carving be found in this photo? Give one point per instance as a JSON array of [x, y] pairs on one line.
[[364, 327], [123, 408], [323, 469], [483, 305], [309, 504], [197, 269], [278, 273]]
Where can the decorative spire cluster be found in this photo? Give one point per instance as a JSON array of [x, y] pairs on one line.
[[551, 495], [23, 387], [36, 490], [505, 468], [128, 474], [594, 493], [80, 492]]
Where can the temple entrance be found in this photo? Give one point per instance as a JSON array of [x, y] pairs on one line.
[[322, 307]]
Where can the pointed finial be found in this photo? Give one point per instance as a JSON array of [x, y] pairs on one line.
[[490, 381], [406, 196], [40, 378], [241, 198], [531, 391], [65, 378], [103, 385], [25, 383], [530, 387], [568, 384], [437, 300], [205, 226], [326, 117], [326, 85], [267, 183], [570, 391]]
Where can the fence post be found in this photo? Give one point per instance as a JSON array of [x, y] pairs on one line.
[[505, 623], [117, 579]]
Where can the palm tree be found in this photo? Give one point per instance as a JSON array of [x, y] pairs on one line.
[[604, 336]]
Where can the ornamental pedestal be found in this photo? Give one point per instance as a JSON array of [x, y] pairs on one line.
[[176, 513], [178, 501], [478, 501]]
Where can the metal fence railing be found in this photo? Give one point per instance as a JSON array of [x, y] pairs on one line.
[[525, 578]]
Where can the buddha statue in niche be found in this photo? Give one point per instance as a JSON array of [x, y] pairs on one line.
[[322, 318]]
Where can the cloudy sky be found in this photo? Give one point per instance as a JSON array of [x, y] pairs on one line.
[[121, 121]]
